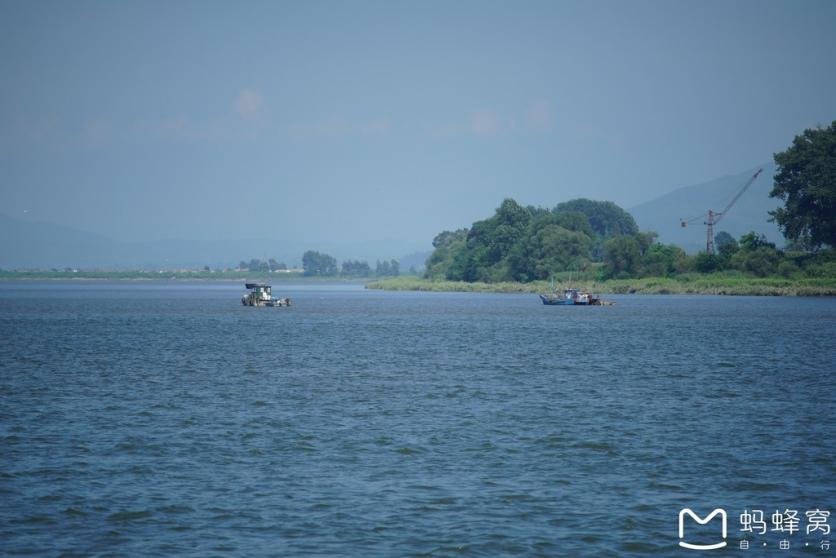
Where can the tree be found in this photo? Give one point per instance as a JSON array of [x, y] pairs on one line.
[[357, 268], [447, 245], [547, 248], [622, 256], [762, 261], [723, 241], [388, 268], [489, 242], [752, 241], [806, 181], [316, 263], [526, 243], [662, 260], [574, 221], [605, 217], [275, 265], [255, 264], [706, 263], [757, 255], [726, 247]]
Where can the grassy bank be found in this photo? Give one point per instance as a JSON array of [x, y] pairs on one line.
[[694, 283]]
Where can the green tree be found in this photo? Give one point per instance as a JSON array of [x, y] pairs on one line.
[[318, 264], [488, 244], [258, 265], [549, 248], [761, 261], [622, 256], [388, 268], [725, 243], [574, 221], [447, 245], [757, 256], [661, 260], [526, 243], [351, 268], [806, 182], [752, 241], [706, 263], [605, 217]]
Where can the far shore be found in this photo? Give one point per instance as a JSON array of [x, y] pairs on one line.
[[725, 283], [139, 275], [707, 284]]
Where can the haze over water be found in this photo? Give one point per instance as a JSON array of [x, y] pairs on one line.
[[366, 128], [165, 418]]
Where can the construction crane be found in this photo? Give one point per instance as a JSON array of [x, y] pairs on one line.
[[713, 217]]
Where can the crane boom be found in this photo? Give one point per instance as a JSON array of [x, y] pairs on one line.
[[737, 196], [712, 217]]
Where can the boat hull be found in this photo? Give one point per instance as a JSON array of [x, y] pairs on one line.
[[572, 300], [557, 301]]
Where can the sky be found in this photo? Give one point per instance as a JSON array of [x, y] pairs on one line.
[[371, 126]]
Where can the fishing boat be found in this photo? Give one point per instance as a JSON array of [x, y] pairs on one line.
[[261, 294], [570, 297]]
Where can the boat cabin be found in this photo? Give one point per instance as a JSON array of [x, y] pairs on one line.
[[261, 294]]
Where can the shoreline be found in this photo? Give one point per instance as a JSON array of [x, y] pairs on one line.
[[693, 283], [685, 284], [171, 276]]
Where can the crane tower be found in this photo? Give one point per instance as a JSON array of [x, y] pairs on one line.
[[713, 217]]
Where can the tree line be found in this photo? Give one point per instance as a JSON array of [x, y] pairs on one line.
[[592, 237], [528, 243], [256, 264], [318, 264]]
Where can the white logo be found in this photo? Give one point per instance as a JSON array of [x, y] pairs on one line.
[[719, 511]]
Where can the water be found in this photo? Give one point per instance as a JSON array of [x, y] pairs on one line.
[[166, 418]]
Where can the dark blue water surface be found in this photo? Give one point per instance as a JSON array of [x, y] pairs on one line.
[[167, 419]]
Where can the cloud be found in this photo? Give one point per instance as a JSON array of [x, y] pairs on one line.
[[249, 105], [97, 132], [338, 127], [182, 128], [536, 117], [375, 127], [539, 117], [485, 123]]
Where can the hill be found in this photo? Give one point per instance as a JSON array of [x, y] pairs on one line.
[[40, 245], [663, 214]]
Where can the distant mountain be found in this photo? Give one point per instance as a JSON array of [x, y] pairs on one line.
[[39, 245], [750, 213], [416, 261], [25, 244]]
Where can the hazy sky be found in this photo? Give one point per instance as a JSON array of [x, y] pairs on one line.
[[388, 121]]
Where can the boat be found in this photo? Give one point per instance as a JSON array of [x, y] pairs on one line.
[[261, 294], [571, 297]]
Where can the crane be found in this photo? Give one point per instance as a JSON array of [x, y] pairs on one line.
[[713, 217]]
